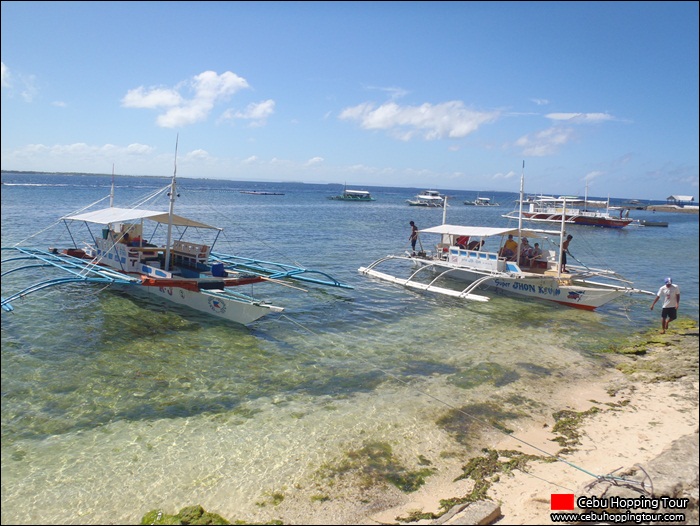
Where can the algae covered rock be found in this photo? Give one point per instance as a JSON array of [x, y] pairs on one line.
[[188, 515]]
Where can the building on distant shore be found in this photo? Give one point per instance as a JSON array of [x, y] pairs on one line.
[[680, 200]]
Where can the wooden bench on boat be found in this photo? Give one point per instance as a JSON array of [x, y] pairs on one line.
[[190, 254]]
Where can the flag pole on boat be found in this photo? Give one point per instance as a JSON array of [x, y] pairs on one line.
[[171, 208]]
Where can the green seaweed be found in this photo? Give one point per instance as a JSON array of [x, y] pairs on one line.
[[466, 422], [374, 463], [485, 372], [189, 515]]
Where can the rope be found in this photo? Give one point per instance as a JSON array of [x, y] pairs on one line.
[[598, 478]]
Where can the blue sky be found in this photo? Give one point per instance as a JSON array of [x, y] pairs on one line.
[[447, 95]]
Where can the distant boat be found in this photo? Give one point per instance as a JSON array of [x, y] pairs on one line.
[[481, 201], [428, 198], [645, 222], [259, 192], [570, 209], [558, 209], [353, 195]]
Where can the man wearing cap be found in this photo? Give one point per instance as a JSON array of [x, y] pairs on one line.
[[671, 295]]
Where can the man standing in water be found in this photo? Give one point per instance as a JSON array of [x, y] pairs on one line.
[[671, 301], [413, 237], [565, 251]]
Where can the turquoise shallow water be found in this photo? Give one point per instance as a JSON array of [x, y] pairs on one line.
[[113, 405]]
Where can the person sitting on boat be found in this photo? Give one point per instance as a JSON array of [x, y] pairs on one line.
[[476, 245], [137, 242], [125, 239], [462, 241], [509, 248], [525, 252], [535, 254]]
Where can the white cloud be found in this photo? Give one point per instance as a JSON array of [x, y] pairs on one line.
[[152, 98], [546, 142], [197, 155], [138, 149], [394, 93], [5, 75], [257, 112], [580, 118], [446, 120], [314, 160], [207, 88], [592, 175], [540, 102], [509, 175]]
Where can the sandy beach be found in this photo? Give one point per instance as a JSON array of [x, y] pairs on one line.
[[641, 406]]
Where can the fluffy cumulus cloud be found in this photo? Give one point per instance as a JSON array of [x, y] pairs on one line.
[[204, 91], [545, 142], [429, 121]]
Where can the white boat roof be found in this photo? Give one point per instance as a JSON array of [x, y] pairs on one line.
[[359, 192], [484, 231], [123, 215]]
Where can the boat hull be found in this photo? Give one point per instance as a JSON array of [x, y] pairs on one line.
[[544, 287], [577, 219], [242, 312]]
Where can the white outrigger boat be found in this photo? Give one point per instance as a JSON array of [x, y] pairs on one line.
[[184, 272], [486, 267], [428, 198]]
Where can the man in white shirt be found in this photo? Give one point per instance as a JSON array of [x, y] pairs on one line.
[[671, 295]]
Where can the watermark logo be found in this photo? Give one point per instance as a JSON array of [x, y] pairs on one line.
[[615, 509]]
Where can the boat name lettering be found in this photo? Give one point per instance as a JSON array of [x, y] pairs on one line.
[[548, 291], [502, 284], [524, 286]]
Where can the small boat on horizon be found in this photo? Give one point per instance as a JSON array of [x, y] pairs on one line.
[[259, 192], [353, 195], [428, 198], [481, 201]]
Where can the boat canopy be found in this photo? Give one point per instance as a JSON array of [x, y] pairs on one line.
[[124, 215], [483, 231]]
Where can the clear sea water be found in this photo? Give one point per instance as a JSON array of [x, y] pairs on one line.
[[113, 405]]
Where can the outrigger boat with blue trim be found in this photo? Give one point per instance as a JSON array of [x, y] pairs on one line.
[[462, 254], [179, 271]]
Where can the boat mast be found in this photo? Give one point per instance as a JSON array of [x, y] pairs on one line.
[[520, 212], [171, 208], [522, 189], [561, 238], [444, 210], [111, 192]]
